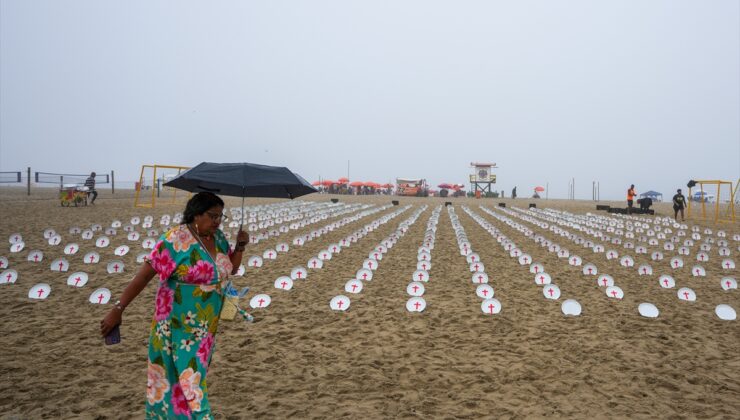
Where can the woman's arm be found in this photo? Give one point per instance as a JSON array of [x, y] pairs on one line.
[[236, 260], [137, 284], [236, 257]]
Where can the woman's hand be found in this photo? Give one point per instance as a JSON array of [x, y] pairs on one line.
[[137, 284], [242, 236], [110, 321]]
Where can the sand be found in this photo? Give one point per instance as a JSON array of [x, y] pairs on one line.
[[376, 360]]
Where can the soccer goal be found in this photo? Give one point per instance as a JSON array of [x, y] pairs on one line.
[[724, 210], [150, 189]]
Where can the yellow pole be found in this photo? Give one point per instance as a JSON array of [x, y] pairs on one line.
[[688, 205], [716, 204], [154, 187], [732, 201], [703, 204], [136, 193]]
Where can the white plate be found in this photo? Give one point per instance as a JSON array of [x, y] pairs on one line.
[[78, 279], [339, 303], [91, 258], [100, 296], [725, 312], [416, 304], [39, 291], [490, 306], [551, 291], [648, 310], [353, 286], [571, 307], [260, 301], [116, 267], [8, 276], [484, 291], [284, 283], [298, 273], [415, 288]]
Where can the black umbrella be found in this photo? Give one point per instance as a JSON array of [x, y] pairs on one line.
[[242, 180]]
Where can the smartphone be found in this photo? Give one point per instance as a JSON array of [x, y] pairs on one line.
[[114, 336]]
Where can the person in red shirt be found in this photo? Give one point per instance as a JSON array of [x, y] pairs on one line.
[[630, 198]]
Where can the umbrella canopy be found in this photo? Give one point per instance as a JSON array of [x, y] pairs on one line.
[[316, 183], [242, 180], [445, 186], [539, 189], [356, 184], [343, 180], [327, 182], [387, 185]]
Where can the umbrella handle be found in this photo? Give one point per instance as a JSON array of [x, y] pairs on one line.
[[241, 222]]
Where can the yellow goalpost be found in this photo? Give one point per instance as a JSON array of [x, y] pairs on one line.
[[705, 197], [151, 189]]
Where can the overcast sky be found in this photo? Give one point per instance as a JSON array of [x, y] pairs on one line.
[[620, 92]]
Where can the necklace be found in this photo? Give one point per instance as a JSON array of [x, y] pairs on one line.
[[202, 245], [198, 235]]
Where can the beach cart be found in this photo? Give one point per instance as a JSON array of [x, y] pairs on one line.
[[73, 194]]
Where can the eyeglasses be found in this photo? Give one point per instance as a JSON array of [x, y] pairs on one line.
[[217, 216]]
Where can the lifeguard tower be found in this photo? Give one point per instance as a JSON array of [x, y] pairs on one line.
[[482, 178]]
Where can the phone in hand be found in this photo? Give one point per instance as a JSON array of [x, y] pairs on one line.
[[114, 336]]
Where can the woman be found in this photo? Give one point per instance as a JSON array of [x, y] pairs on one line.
[[192, 260]]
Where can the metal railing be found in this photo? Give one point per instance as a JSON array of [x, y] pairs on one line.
[[61, 179], [10, 177]]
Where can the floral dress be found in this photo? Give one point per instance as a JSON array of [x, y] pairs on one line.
[[186, 315]]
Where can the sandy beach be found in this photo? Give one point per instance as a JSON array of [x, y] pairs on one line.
[[302, 360]]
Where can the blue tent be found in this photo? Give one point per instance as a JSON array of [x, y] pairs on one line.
[[654, 195]]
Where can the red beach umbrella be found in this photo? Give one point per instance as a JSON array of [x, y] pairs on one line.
[[539, 189]]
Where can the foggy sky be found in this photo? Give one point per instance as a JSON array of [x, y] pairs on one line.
[[620, 92]]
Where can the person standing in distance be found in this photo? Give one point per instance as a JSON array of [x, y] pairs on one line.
[[679, 201], [90, 184], [630, 198]]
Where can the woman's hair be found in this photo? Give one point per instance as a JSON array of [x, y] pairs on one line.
[[199, 204]]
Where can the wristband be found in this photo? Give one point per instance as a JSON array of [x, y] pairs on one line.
[[118, 306]]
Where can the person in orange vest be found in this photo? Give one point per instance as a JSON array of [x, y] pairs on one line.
[[630, 198]]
